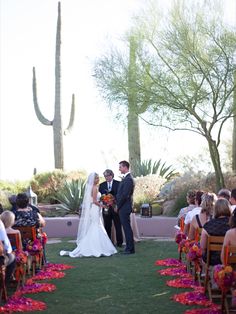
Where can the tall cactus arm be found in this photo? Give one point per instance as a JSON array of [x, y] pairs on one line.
[[72, 116], [39, 115]]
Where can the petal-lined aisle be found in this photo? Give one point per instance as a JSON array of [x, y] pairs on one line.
[[186, 280], [18, 303]]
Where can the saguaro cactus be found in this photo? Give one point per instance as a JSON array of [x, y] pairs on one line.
[[56, 123]]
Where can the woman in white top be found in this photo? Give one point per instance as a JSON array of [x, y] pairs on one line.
[[9, 259]]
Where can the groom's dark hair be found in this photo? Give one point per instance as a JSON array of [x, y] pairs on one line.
[[124, 163]]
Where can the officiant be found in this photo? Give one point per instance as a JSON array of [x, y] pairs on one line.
[[111, 186]]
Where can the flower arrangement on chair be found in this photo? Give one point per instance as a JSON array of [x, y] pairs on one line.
[[224, 276], [180, 236], [194, 252], [21, 257], [34, 247]]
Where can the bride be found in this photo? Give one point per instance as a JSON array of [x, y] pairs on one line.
[[92, 239]]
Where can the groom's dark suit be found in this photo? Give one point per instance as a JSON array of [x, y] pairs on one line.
[[124, 200], [112, 215]]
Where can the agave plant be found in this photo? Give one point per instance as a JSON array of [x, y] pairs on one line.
[[147, 167], [71, 195]]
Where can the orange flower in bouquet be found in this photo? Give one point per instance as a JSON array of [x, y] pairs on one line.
[[108, 199]]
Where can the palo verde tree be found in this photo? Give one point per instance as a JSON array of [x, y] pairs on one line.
[[56, 123], [190, 64], [117, 74]]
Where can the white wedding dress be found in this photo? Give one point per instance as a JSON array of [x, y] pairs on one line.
[[96, 241]]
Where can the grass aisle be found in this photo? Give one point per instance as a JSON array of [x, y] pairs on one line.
[[117, 284]]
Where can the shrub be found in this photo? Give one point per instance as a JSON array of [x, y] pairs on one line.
[[71, 196], [47, 184], [146, 189], [147, 167]]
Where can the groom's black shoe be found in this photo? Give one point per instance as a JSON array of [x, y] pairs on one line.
[[127, 252], [119, 245]]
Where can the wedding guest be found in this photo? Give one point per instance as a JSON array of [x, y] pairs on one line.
[[190, 197], [224, 193], [12, 201], [217, 226], [8, 219], [124, 199], [233, 200], [196, 210], [109, 215], [230, 236], [8, 258], [199, 220], [25, 215]]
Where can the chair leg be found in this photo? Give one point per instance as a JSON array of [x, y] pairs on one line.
[[3, 289]]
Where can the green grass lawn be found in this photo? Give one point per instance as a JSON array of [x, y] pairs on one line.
[[117, 284]]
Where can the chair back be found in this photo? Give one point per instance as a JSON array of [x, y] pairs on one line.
[[230, 255], [15, 240], [214, 243], [27, 232]]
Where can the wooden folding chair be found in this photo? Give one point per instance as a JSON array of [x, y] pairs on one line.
[[229, 259], [20, 271], [28, 233], [214, 244]]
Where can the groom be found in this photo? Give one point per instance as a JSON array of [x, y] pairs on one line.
[[124, 200], [111, 186]]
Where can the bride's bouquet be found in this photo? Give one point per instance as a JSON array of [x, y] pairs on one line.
[[107, 200]]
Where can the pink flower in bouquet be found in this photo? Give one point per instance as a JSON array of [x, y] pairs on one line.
[[179, 237], [34, 246], [21, 256]]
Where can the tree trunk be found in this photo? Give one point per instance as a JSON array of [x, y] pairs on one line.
[[234, 127], [215, 158], [133, 141], [133, 120]]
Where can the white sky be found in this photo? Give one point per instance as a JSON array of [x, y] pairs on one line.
[[27, 38]]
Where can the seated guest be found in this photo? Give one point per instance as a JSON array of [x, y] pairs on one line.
[[230, 236], [9, 257], [224, 193], [191, 195], [198, 221], [233, 200], [12, 201], [8, 219], [193, 212], [217, 226], [25, 215]]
